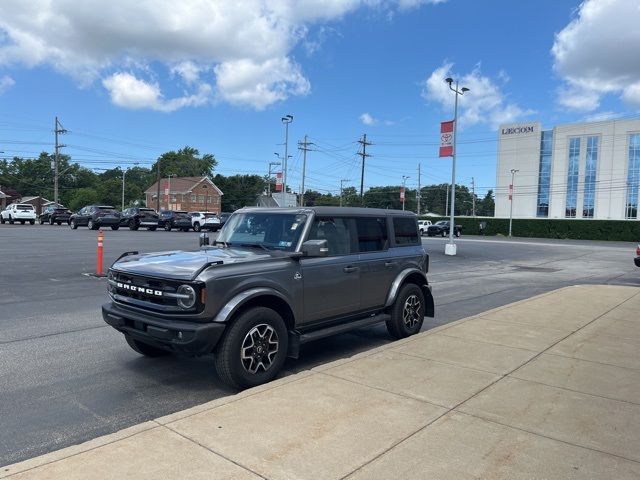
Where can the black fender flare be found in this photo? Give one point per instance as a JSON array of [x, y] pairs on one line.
[[423, 284], [232, 306]]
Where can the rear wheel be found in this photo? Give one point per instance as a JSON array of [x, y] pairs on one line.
[[91, 224], [253, 349], [73, 224], [133, 225], [196, 227], [167, 227], [457, 233], [32, 222], [407, 312], [442, 234], [58, 222], [145, 349], [10, 220]]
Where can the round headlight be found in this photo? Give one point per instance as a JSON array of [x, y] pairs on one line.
[[189, 299]]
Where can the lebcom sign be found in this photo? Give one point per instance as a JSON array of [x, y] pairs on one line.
[[518, 130]]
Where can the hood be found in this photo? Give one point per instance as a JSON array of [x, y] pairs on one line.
[[182, 265]]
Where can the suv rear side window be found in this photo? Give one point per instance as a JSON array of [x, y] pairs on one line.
[[406, 231], [372, 234]]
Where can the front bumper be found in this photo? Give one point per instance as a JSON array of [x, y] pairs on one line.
[[637, 261], [173, 335]]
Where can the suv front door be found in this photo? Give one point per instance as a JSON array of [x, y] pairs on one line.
[[331, 283]]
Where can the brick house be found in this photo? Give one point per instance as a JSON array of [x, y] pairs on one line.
[[192, 194]]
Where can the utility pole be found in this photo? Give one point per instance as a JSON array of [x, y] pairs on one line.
[[158, 178], [511, 192], [342, 188], [304, 146], [59, 130], [287, 119], [364, 155], [473, 196], [419, 194]]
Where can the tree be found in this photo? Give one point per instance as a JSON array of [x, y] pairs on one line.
[[389, 197], [239, 190], [186, 162], [81, 198], [434, 199], [487, 206]]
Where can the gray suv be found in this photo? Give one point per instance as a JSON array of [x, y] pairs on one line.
[[273, 280]]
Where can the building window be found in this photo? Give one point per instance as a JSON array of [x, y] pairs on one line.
[[633, 176], [544, 177], [209, 199], [590, 170], [572, 178], [200, 198], [194, 198]]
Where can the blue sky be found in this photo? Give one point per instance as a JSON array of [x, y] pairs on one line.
[[132, 82]]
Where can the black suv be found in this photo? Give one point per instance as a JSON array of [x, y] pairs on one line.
[[442, 228], [273, 280], [136, 217], [58, 215], [96, 216], [168, 219]]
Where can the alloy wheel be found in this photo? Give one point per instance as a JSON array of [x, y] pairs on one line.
[[259, 348], [412, 311]]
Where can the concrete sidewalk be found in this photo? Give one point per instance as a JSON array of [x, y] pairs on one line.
[[544, 388]]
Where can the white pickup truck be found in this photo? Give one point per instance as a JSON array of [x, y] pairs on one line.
[[18, 212], [423, 225]]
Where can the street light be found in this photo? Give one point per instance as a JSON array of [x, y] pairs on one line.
[[271, 164], [450, 248], [124, 172], [287, 119], [404, 193], [511, 192]]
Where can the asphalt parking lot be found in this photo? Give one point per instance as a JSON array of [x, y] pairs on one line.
[[66, 377]]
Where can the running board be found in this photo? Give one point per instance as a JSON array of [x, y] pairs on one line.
[[296, 338]]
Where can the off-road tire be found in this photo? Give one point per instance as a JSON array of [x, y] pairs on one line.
[[396, 325], [145, 349], [228, 361]]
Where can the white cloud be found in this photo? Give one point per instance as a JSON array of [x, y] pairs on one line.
[[484, 103], [245, 44], [597, 54], [6, 82], [367, 119], [130, 92]]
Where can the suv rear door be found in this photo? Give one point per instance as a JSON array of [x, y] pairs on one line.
[[331, 283], [378, 268]]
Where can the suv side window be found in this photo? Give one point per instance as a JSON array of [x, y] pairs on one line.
[[372, 234], [406, 231], [336, 231]]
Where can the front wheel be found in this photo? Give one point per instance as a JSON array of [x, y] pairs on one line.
[[442, 234], [2, 220], [92, 226], [167, 227], [196, 227], [145, 349], [51, 221], [253, 349], [457, 233], [32, 222], [407, 312], [132, 225], [73, 225]]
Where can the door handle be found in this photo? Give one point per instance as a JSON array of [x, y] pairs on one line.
[[390, 264], [349, 269]]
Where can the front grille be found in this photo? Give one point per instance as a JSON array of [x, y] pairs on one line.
[[148, 293]]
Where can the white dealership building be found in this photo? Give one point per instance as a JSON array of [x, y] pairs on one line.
[[585, 170]]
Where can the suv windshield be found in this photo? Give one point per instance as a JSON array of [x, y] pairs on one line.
[[279, 231]]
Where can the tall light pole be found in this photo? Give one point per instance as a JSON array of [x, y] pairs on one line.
[[124, 172], [404, 192], [450, 248], [271, 164], [169, 190], [511, 193], [342, 188], [287, 119]]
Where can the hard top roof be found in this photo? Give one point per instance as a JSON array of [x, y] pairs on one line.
[[358, 211]]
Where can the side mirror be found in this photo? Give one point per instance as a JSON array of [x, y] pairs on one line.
[[315, 248], [204, 240]]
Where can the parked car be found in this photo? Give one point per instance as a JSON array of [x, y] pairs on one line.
[[442, 228], [168, 219], [18, 212], [58, 215], [273, 280], [96, 216], [423, 225], [224, 216], [137, 217], [205, 221], [637, 259]]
